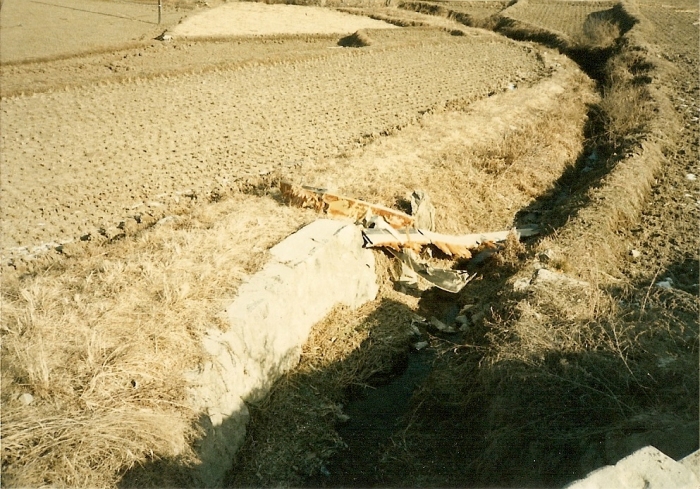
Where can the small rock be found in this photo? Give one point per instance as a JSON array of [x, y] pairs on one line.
[[462, 320], [521, 285], [690, 176], [26, 399], [478, 316], [420, 345], [167, 220], [482, 256], [665, 284], [544, 276], [440, 326], [415, 331], [546, 256], [635, 254], [664, 362]]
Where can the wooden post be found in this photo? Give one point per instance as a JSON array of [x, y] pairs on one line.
[[160, 10]]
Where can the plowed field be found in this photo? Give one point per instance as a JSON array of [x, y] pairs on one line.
[[81, 159], [475, 8], [676, 25], [565, 17]]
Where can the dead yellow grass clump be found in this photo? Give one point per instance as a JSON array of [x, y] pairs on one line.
[[102, 343], [599, 31], [292, 430], [476, 187]]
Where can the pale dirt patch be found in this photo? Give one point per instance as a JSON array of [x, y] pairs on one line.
[[38, 29], [240, 19]]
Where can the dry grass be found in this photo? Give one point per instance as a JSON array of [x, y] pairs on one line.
[[475, 186], [107, 440], [135, 311], [292, 430], [628, 109], [569, 366], [561, 379], [102, 343], [598, 32], [477, 182]]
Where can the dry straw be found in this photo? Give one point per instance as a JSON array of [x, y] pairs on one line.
[[102, 343]]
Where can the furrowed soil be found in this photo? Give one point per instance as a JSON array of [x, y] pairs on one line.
[[565, 17], [104, 302], [182, 137], [668, 234]]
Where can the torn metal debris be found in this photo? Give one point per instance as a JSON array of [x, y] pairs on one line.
[[396, 232], [338, 206], [448, 280], [416, 239]]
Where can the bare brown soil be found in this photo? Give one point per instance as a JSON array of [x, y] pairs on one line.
[[668, 234], [160, 141], [557, 16], [42, 29]]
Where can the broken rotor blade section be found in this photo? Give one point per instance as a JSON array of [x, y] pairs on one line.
[[457, 246], [338, 206]]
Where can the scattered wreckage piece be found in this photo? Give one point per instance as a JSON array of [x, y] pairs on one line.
[[422, 210], [416, 239], [395, 231], [338, 206], [448, 280]]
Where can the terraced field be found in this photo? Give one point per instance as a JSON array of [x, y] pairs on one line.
[[478, 8], [567, 17], [676, 25], [152, 142]]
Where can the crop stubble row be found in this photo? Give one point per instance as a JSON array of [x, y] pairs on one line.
[[81, 159], [567, 17], [676, 25]]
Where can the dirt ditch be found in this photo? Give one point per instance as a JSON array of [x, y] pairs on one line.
[[568, 354], [464, 425]]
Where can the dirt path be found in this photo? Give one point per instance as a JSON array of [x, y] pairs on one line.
[[89, 158]]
